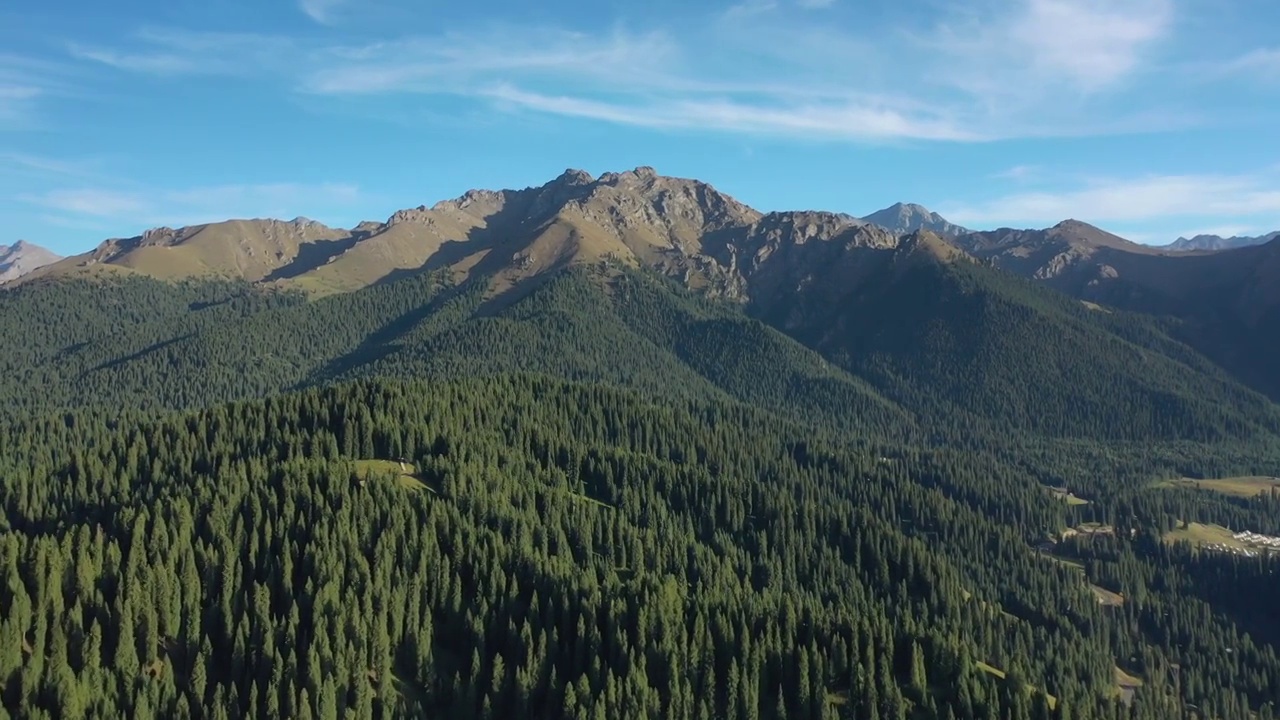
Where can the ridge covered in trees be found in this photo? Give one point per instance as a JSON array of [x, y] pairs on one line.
[[609, 497]]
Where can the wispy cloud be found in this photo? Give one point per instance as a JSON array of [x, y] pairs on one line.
[[22, 83], [168, 52], [457, 63], [749, 8], [962, 76], [96, 202], [1030, 49], [1262, 61], [27, 164], [817, 121], [91, 205], [1133, 199], [1018, 173], [320, 11]]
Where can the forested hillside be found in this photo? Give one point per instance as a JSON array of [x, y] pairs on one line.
[[572, 551], [871, 478]]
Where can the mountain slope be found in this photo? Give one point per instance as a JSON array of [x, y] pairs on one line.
[[947, 337], [21, 258], [902, 218], [1224, 304], [235, 249], [437, 288], [636, 217], [134, 341]]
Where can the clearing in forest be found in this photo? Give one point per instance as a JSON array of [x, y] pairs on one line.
[[405, 473], [1000, 675], [1089, 528], [1126, 684], [1067, 496], [1200, 535], [1243, 486], [1106, 597]]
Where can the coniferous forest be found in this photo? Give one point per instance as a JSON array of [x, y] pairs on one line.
[[608, 497]]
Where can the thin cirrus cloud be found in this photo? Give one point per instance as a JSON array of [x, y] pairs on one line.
[[963, 75], [454, 63], [321, 11], [15, 99], [23, 82], [819, 121], [1133, 199], [85, 206], [167, 52], [1264, 62]]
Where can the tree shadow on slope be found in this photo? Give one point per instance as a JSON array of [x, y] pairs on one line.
[[314, 254], [509, 223]]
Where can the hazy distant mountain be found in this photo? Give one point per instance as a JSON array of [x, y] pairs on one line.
[[1217, 242], [21, 258], [908, 217]]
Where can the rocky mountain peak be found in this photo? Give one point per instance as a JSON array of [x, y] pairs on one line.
[[642, 174], [574, 176], [904, 218], [21, 258], [158, 236]]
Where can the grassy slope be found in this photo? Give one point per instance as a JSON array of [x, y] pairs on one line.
[[1245, 487]]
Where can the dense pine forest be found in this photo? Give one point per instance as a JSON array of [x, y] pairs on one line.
[[604, 496]]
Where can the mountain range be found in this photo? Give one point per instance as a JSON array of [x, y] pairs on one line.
[[809, 274], [1217, 242], [600, 403]]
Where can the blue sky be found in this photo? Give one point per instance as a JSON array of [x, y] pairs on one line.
[[1151, 118]]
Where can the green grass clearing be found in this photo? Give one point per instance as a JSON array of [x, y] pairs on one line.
[[1106, 597], [1124, 679], [406, 474], [1126, 685], [1244, 486], [1199, 534], [1067, 496], [1000, 675]]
